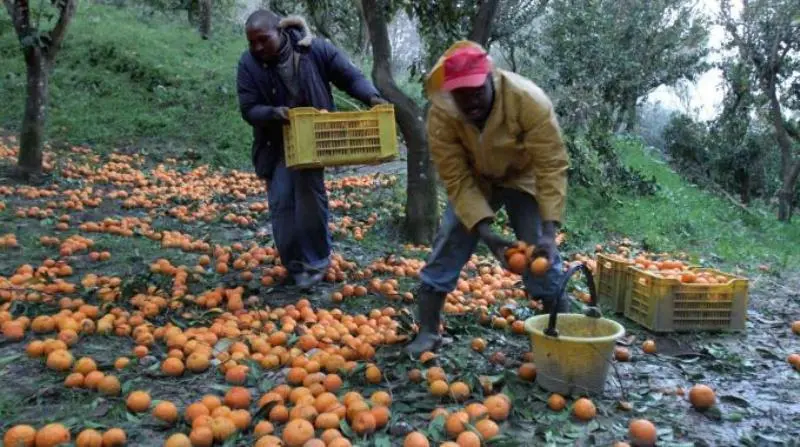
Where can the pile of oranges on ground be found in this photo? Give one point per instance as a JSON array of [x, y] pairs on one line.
[[316, 349]]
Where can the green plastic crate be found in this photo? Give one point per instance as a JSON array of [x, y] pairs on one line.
[[668, 305], [315, 139]]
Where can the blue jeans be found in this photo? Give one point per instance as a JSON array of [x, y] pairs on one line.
[[298, 205], [454, 245]]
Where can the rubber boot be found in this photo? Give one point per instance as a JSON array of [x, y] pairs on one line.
[[429, 308]]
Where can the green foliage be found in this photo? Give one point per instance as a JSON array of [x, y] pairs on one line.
[[595, 164], [604, 55]]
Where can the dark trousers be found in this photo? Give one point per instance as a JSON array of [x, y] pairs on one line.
[[298, 204], [454, 245]]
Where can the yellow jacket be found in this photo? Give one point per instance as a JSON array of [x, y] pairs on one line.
[[520, 147]]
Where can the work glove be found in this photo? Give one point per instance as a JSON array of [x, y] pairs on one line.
[[546, 244], [497, 244], [283, 113]]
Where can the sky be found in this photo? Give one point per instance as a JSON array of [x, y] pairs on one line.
[[706, 93]]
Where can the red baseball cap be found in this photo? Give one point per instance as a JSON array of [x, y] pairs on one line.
[[466, 67]]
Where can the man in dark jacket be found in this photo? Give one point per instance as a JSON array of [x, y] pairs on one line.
[[286, 67]]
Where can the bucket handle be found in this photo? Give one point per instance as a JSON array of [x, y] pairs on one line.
[[591, 311]]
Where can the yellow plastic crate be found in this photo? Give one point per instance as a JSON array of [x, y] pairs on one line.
[[315, 139], [667, 305], [613, 281]]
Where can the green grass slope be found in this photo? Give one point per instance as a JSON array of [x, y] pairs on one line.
[[681, 216], [120, 80]]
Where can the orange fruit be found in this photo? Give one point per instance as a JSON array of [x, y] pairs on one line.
[[172, 367], [197, 362], [373, 374], [415, 375], [278, 414], [468, 439], [487, 428], [426, 357], [435, 373], [649, 347], [92, 380], [74, 380], [584, 409], [109, 385], [223, 428], [201, 437], [516, 263], [193, 411], [332, 383], [241, 419], [211, 402], [20, 435], [439, 388], [454, 425], [52, 435], [622, 354], [540, 266], [796, 327], [59, 360], [702, 397], [527, 372], [364, 423], [381, 414], [415, 439], [236, 375], [381, 398], [478, 344], [642, 433], [476, 411], [264, 428], [89, 438], [498, 406], [237, 398], [794, 360], [114, 437], [459, 391], [439, 412], [297, 432], [138, 401], [326, 421], [85, 365], [556, 402], [178, 440], [166, 411], [330, 434]]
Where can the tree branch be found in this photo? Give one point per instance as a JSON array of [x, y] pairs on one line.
[[60, 30], [19, 11], [482, 22]]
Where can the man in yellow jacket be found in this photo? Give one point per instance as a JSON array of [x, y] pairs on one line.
[[495, 141]]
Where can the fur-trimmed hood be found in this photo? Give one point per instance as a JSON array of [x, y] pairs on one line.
[[298, 29]]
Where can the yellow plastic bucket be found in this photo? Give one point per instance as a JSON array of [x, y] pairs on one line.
[[576, 361]]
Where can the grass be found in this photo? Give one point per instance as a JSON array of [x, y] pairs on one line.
[[125, 80], [681, 216]]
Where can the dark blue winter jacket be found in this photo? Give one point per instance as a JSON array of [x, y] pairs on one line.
[[261, 91]]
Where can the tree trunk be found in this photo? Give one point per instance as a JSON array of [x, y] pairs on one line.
[[192, 8], [422, 211], [33, 121], [787, 193], [482, 23], [205, 19]]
